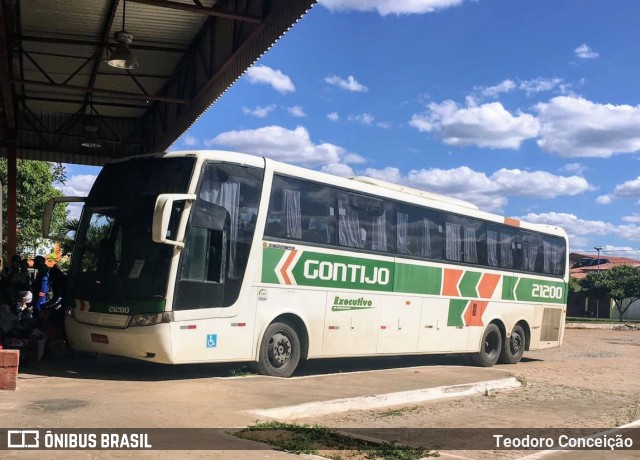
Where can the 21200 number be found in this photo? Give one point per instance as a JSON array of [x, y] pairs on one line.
[[546, 292]]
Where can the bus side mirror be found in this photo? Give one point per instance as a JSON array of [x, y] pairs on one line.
[[48, 212], [162, 216]]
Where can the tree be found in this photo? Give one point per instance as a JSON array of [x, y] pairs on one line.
[[620, 283], [34, 187]]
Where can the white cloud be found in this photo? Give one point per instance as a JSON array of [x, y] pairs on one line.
[[383, 125], [296, 111], [78, 185], [190, 141], [575, 168], [585, 52], [363, 118], [282, 144], [259, 111], [386, 7], [261, 74], [604, 199], [488, 125], [581, 227], [350, 84], [333, 116], [338, 169], [575, 127], [539, 85], [488, 192], [628, 189], [494, 91], [633, 219]]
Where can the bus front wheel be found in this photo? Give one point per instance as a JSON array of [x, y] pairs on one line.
[[513, 347], [490, 347], [279, 352]]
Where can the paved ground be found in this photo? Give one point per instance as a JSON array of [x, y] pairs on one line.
[[592, 381]]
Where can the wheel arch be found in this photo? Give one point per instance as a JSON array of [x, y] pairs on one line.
[[297, 323], [527, 332]]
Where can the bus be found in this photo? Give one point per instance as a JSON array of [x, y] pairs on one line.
[[214, 256]]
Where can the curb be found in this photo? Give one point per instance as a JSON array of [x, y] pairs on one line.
[[335, 406]]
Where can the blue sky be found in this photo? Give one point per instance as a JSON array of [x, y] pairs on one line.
[[526, 108]]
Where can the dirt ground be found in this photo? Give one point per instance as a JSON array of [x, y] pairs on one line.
[[592, 381]]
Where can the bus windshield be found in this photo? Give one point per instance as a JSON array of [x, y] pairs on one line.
[[115, 258]]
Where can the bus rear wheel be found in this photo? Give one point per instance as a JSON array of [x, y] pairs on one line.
[[513, 347], [490, 347], [279, 352]]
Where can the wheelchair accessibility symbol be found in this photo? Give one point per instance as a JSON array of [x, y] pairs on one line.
[[212, 340]]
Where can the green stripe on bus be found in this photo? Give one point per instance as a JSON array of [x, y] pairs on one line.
[[417, 279], [334, 271], [456, 308], [270, 259], [508, 285], [468, 284], [346, 272]]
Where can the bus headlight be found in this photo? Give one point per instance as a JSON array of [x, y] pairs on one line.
[[70, 311], [150, 319]]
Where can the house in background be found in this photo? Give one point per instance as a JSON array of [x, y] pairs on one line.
[[578, 304]]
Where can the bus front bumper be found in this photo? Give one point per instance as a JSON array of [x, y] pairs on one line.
[[149, 343]]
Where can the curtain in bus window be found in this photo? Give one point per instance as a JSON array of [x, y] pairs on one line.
[[228, 196], [292, 213], [492, 248], [470, 249], [348, 226], [530, 246], [401, 232], [552, 258], [425, 249], [379, 233], [453, 243], [506, 250]]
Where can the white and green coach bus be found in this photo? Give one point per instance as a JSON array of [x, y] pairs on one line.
[[194, 257]]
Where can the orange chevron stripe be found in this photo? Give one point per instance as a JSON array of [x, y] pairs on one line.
[[512, 222], [450, 282], [473, 314], [285, 267], [487, 285]]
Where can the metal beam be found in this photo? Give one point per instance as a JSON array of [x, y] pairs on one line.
[[80, 101], [75, 41], [116, 94], [201, 10]]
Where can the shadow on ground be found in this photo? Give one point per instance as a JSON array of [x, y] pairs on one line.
[[124, 369]]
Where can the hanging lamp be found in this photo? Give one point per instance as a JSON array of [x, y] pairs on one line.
[[122, 57]]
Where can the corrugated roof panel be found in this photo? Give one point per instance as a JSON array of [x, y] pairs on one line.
[[80, 18], [159, 25]]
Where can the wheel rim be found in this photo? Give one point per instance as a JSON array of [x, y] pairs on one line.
[[279, 349], [492, 344], [516, 343]]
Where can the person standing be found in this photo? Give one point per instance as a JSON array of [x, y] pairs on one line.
[[40, 287]]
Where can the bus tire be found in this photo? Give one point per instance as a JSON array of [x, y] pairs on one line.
[[279, 352], [513, 347], [490, 347]]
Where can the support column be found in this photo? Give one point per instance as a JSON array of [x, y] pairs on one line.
[[11, 198]]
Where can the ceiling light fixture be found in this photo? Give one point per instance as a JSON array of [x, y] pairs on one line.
[[122, 57]]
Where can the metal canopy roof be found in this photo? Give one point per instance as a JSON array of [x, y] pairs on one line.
[[55, 82]]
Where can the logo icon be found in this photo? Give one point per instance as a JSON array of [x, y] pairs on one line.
[[23, 439], [212, 340]]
